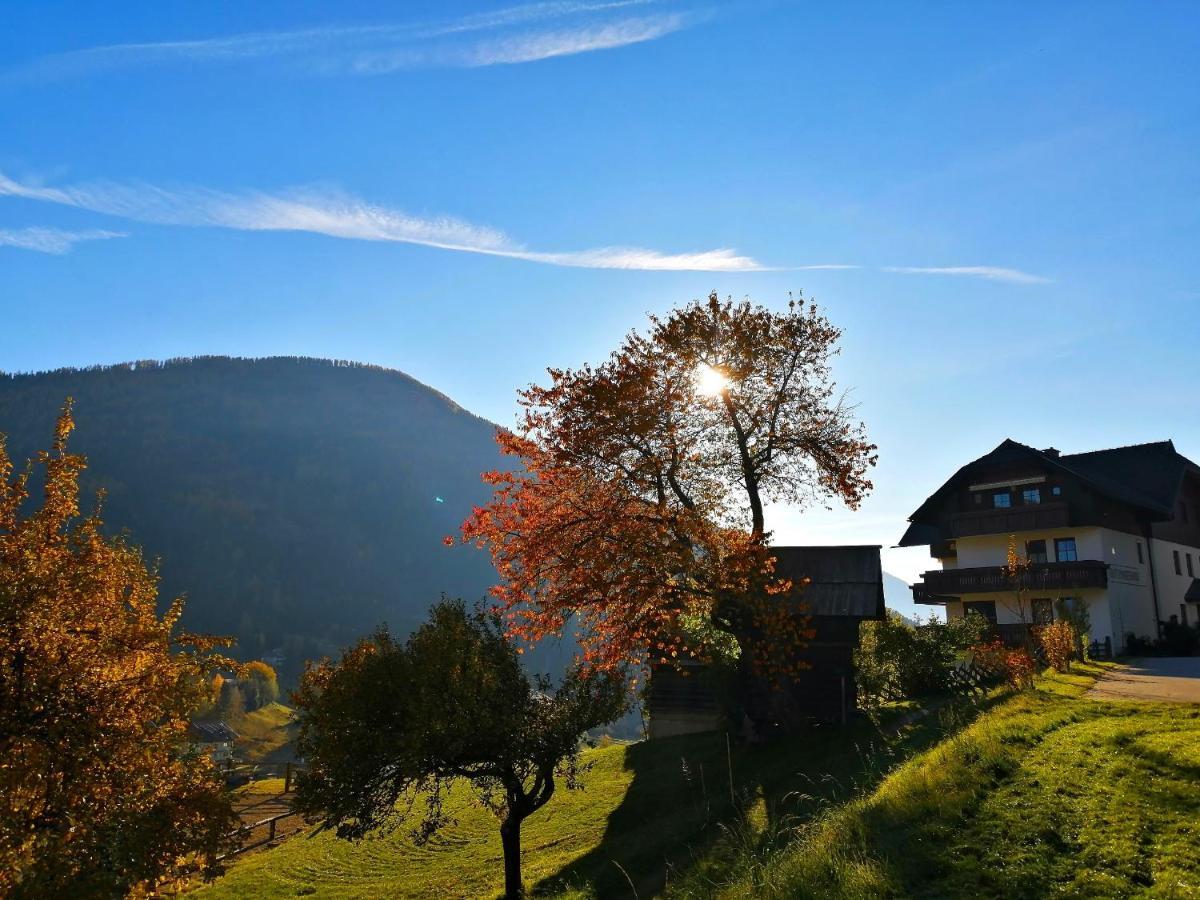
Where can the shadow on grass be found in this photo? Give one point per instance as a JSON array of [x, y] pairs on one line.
[[700, 806]]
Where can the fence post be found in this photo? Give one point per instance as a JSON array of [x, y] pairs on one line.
[[287, 779], [271, 837]]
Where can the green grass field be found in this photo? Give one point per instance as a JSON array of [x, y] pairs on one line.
[[648, 811], [1049, 794], [1043, 793]]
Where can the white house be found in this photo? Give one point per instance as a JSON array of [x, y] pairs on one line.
[[1117, 530], [214, 738]]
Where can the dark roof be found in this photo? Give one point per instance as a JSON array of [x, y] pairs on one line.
[[1147, 476], [211, 732], [845, 580]]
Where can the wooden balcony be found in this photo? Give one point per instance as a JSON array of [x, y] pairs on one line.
[[1010, 520], [1049, 578]]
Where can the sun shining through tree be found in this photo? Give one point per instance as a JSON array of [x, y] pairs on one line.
[[637, 513]]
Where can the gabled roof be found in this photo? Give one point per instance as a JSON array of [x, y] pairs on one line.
[[845, 580], [1147, 476], [211, 732]]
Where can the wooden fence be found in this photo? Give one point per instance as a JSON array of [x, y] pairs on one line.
[[271, 824]]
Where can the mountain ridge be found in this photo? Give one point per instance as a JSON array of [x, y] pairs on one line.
[[296, 502]]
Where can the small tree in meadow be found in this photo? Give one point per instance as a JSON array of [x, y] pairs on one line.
[[388, 728]]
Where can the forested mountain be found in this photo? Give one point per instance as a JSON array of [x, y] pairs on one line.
[[297, 502]]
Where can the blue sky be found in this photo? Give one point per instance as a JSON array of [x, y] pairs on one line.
[[473, 192]]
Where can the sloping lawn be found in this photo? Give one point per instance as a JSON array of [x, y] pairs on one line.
[[1048, 794], [264, 733], [648, 811]]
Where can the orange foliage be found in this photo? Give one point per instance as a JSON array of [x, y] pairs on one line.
[[1013, 663], [637, 508], [1057, 641], [98, 793]]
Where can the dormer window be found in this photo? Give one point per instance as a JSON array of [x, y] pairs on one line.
[[1002, 500], [1031, 495]]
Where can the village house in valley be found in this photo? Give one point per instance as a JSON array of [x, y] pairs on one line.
[[1116, 530]]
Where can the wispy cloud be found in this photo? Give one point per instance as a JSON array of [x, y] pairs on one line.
[[524, 47], [338, 214], [991, 273], [51, 240], [341, 215], [517, 34]]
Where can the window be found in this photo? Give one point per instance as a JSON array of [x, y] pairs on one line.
[[1056, 490], [1042, 610], [1035, 551], [1031, 495], [1191, 574], [1002, 501], [1141, 561], [978, 499], [1065, 550], [1178, 570], [985, 608]]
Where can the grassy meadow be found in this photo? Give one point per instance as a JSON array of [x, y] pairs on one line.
[[647, 813], [1048, 794], [1041, 793]]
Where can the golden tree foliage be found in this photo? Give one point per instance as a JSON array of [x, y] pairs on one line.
[[100, 794], [638, 509], [1058, 643]]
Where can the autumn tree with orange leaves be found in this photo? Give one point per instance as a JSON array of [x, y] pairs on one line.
[[100, 795], [637, 509]]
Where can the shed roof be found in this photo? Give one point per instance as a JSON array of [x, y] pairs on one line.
[[845, 580]]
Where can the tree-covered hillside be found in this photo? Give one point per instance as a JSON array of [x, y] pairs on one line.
[[297, 502]]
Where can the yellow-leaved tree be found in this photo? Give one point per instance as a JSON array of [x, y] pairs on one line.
[[100, 792]]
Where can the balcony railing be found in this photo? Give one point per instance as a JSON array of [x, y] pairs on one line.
[[950, 584], [1008, 520]]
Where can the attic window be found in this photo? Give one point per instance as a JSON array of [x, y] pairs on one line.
[[1056, 491], [1002, 500], [1031, 495]]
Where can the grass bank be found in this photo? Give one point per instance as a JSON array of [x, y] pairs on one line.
[[648, 812], [1049, 793]]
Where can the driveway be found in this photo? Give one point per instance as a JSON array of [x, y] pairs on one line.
[[1173, 679]]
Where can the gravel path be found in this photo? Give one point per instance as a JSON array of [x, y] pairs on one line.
[[1174, 679]]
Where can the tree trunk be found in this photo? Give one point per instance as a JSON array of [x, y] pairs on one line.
[[510, 838]]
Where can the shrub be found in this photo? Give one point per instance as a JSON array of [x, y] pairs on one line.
[[896, 660], [1179, 639], [1014, 664], [1057, 641], [1074, 612]]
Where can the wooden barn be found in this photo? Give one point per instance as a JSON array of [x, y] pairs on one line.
[[846, 588]]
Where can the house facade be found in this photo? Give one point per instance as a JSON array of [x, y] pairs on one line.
[[214, 739], [1116, 531]]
